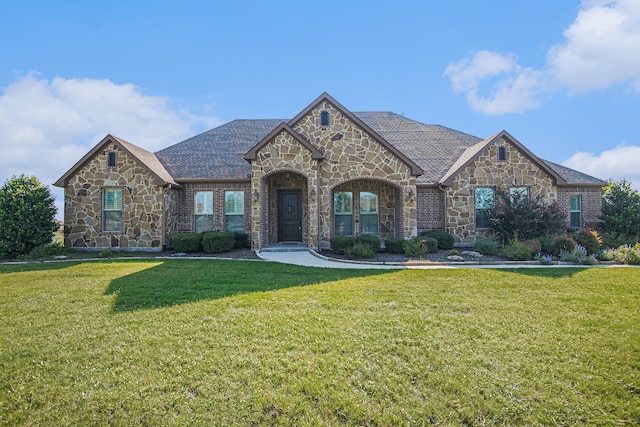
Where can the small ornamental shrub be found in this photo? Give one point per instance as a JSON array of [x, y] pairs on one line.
[[534, 245], [361, 250], [485, 246], [372, 241], [588, 240], [417, 246], [625, 254], [546, 244], [517, 251], [214, 242], [241, 240], [394, 245], [454, 252], [46, 251], [187, 242], [445, 240], [340, 244], [563, 243]]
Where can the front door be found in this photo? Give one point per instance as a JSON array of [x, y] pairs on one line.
[[290, 215]]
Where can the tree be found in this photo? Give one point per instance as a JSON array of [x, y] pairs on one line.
[[27, 216], [620, 213], [517, 215]]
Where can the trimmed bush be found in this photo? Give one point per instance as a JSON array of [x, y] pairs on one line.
[[214, 242], [340, 244], [563, 244], [361, 250], [588, 240], [417, 246], [485, 246], [370, 240], [445, 240], [241, 240], [187, 242], [395, 245], [46, 251], [517, 251]]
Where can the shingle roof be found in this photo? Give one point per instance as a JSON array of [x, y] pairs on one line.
[[219, 153]]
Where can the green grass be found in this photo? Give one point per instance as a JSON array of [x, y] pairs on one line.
[[210, 342]]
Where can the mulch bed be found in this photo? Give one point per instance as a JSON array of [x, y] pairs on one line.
[[440, 256]]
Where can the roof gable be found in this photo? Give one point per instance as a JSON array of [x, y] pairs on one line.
[[146, 159], [283, 127], [415, 169], [472, 153]]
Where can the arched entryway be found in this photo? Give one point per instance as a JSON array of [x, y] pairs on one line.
[[287, 207]]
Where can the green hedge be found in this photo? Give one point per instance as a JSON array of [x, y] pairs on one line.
[[394, 245], [241, 240], [445, 240], [372, 241], [187, 242], [340, 244], [214, 242]]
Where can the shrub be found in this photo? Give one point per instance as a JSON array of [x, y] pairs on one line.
[[625, 254], [361, 250], [417, 246], [445, 240], [563, 243], [534, 245], [620, 212], [214, 242], [241, 240], [588, 240], [517, 251], [27, 216], [578, 256], [485, 246], [395, 245], [46, 251], [546, 244], [372, 241], [187, 242], [340, 244], [517, 215]]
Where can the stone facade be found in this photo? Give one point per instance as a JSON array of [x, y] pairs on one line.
[[352, 159], [487, 171], [142, 205]]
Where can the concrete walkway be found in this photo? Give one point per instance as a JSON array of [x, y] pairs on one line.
[[301, 255]]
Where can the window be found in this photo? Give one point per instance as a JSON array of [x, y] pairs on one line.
[[112, 159], [203, 202], [112, 209], [324, 118], [343, 213], [484, 202], [574, 212], [368, 213], [234, 211], [502, 153], [518, 193]]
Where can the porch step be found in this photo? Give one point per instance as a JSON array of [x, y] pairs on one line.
[[285, 247]]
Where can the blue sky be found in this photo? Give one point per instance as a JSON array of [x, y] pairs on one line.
[[563, 77]]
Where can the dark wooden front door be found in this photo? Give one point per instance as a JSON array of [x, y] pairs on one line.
[[290, 215]]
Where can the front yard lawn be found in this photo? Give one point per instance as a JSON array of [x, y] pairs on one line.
[[212, 342]]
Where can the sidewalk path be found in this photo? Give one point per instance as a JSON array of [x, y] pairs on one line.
[[304, 257]]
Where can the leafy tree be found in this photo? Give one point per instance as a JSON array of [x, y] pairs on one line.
[[620, 213], [516, 215], [27, 216]]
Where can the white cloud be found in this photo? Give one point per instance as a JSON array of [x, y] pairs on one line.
[[616, 163], [517, 89], [47, 126], [600, 49]]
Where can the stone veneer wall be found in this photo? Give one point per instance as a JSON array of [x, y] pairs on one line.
[[185, 216], [142, 205], [430, 201], [350, 155], [487, 171], [590, 200]]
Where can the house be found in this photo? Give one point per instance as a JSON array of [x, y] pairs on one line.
[[327, 171]]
